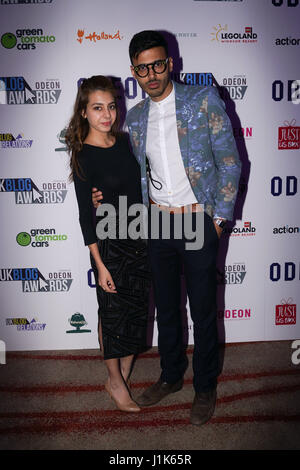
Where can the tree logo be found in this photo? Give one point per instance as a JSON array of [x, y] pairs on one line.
[[78, 321]]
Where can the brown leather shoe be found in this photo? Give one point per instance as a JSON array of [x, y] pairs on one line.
[[203, 407], [157, 392]]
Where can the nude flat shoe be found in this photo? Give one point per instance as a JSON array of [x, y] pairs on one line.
[[129, 407]]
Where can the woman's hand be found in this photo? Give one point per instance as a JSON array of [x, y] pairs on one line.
[[106, 281], [96, 197]]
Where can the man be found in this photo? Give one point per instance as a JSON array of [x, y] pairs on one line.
[[187, 137]]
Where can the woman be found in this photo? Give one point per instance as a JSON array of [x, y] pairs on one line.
[[101, 157]]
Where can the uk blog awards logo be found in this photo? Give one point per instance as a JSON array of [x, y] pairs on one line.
[[15, 90]]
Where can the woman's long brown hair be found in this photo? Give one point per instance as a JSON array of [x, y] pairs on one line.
[[78, 127]]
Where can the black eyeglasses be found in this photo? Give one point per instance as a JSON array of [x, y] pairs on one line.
[[159, 66]]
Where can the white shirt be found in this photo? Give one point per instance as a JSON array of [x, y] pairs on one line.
[[163, 152]]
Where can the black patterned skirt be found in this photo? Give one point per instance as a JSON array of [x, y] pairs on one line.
[[124, 315]]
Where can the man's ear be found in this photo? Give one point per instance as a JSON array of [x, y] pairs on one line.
[[132, 71], [170, 62]]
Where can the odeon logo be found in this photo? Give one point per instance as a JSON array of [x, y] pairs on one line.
[[235, 314], [26, 39], [286, 186], [27, 192], [233, 274], [16, 91], [236, 87], [33, 280], [289, 90], [39, 238], [286, 271], [8, 141]]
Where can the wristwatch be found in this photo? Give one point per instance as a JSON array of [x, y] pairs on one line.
[[220, 222]]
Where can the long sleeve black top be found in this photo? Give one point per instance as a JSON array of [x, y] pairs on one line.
[[114, 171]]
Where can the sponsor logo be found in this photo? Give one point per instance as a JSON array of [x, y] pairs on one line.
[[289, 3], [8, 141], [16, 90], [235, 314], [233, 274], [39, 238], [288, 41], [186, 35], [241, 133], [291, 92], [236, 87], [24, 324], [287, 186], [287, 271], [194, 78], [33, 281], [78, 321], [245, 231], [23, 2], [285, 229], [95, 37], [220, 34], [289, 136], [285, 313], [26, 39], [27, 192], [62, 139]]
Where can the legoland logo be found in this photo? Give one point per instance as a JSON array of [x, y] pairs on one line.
[[39, 238], [33, 281], [16, 90], [27, 192], [221, 35], [26, 39], [8, 141], [285, 313], [245, 231], [289, 136]]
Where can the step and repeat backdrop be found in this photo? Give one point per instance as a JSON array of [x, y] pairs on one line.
[[249, 49]]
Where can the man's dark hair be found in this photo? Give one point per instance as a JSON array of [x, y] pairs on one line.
[[146, 40]]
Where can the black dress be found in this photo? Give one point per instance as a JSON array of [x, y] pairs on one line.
[[123, 315]]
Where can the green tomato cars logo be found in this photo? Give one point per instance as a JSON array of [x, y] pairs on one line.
[[40, 238], [8, 40], [23, 239], [26, 39]]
